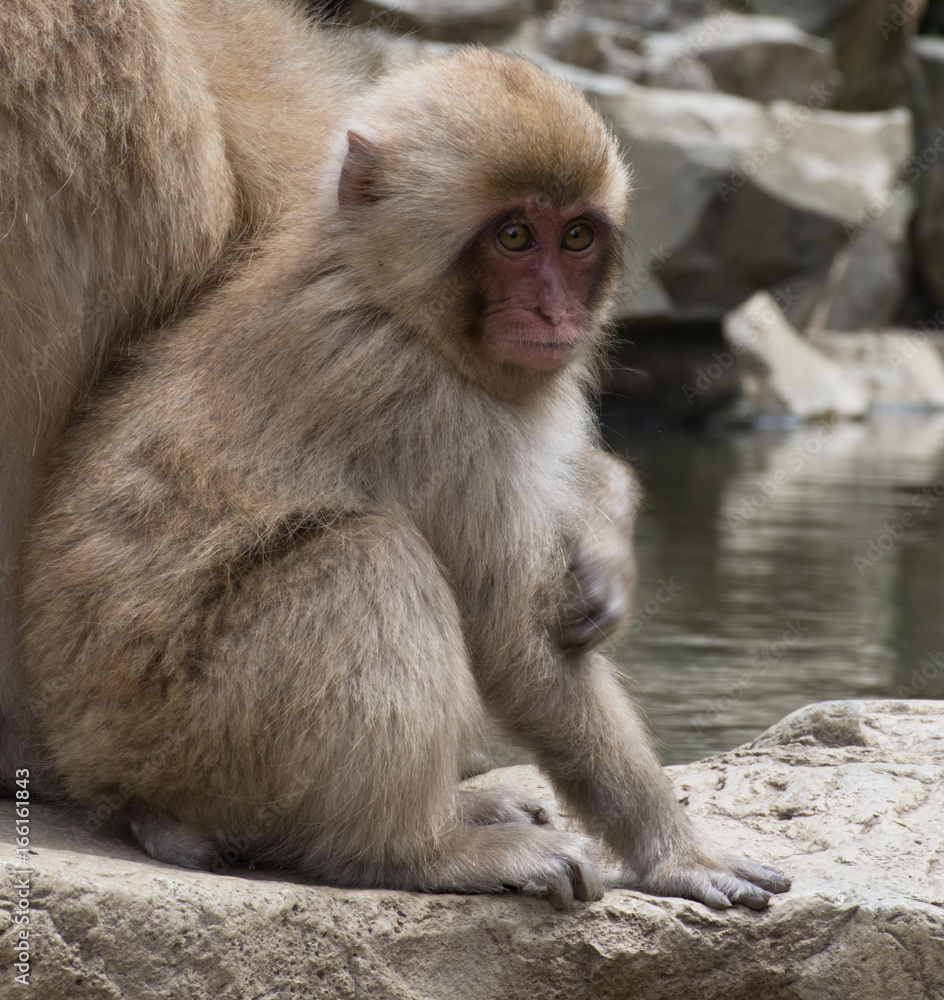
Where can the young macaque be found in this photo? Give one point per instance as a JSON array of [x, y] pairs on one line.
[[315, 529]]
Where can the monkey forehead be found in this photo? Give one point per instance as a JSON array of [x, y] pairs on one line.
[[493, 125]]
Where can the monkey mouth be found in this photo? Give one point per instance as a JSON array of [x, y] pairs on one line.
[[535, 344], [530, 352]]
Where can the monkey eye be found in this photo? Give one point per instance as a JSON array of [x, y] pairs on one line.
[[577, 237], [515, 237]]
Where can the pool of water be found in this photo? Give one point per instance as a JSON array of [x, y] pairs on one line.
[[783, 567]]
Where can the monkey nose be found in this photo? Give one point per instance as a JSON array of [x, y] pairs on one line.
[[552, 305], [554, 313]]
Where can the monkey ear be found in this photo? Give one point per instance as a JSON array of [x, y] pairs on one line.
[[359, 174]]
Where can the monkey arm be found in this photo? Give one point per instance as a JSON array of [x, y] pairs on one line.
[[601, 561], [592, 743]]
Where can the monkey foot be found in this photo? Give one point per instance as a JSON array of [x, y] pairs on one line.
[[167, 839], [481, 807]]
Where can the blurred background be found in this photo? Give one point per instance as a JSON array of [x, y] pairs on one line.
[[778, 379]]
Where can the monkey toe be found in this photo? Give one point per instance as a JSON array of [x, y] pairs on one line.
[[483, 807], [587, 882], [713, 897], [560, 893], [577, 879], [768, 877], [569, 872], [751, 896]]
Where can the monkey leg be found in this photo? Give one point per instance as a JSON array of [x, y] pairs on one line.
[[325, 727]]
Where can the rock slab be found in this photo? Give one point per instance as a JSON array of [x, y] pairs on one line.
[[846, 796]]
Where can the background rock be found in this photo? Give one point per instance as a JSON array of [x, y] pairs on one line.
[[871, 39], [896, 368], [487, 21], [784, 374], [845, 796], [713, 172], [927, 166], [747, 178], [763, 58]]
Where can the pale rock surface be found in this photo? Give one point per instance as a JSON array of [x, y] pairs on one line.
[[815, 16], [656, 59], [653, 15], [927, 167], [487, 21], [847, 797], [734, 196], [896, 368], [762, 58], [781, 372], [871, 39]]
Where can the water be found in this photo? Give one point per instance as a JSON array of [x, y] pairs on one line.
[[783, 567]]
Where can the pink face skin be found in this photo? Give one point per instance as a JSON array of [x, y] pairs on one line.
[[535, 314]]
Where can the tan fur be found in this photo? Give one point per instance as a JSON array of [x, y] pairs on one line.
[[141, 144], [295, 551]]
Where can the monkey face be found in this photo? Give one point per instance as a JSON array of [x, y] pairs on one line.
[[539, 266]]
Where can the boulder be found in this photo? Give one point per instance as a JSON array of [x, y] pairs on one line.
[[899, 369], [818, 17], [927, 167], [845, 796], [762, 58], [651, 15], [734, 196], [783, 374], [488, 21], [871, 39], [657, 59]]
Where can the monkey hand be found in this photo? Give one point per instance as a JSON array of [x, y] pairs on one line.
[[596, 604], [716, 882], [600, 560]]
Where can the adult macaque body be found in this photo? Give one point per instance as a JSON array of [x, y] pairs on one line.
[[315, 529]]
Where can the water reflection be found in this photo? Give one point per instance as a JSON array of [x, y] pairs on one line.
[[779, 568]]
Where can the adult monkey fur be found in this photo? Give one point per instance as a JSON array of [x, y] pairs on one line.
[[323, 521]]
